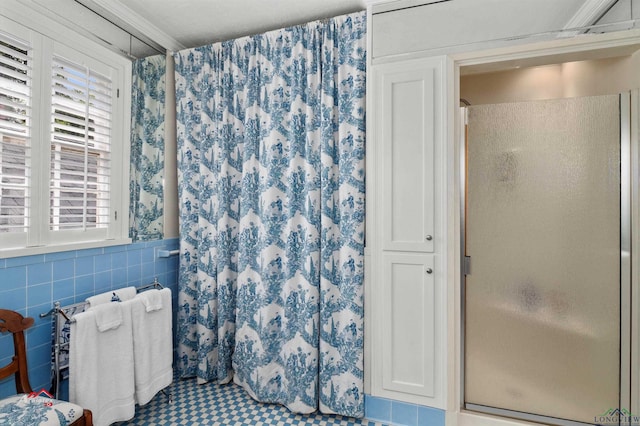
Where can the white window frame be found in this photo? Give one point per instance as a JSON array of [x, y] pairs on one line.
[[26, 36], [48, 38]]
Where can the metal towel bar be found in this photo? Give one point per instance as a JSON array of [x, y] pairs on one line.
[[168, 253], [61, 322]]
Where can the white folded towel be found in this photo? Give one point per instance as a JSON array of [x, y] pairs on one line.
[[108, 316], [101, 375], [152, 345], [121, 295], [152, 299]]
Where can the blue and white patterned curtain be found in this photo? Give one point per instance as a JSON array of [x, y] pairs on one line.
[[271, 138], [146, 203]]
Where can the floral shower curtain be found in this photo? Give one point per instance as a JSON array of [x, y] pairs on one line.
[[146, 203], [271, 144]]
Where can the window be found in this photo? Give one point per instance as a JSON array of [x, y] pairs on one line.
[[79, 190], [15, 137], [63, 144]]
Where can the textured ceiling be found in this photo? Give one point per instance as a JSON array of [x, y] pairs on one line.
[[199, 22], [156, 25]]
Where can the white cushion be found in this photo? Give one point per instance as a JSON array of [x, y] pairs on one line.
[[20, 410]]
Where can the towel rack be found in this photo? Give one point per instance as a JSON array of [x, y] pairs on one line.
[[168, 253], [62, 318], [57, 309], [155, 284]]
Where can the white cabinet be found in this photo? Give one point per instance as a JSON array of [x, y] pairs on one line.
[[406, 286], [408, 133], [408, 334]]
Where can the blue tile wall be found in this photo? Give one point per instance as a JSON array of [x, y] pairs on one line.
[[31, 284], [403, 413], [393, 412]]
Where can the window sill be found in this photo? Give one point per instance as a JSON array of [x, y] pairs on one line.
[[29, 251]]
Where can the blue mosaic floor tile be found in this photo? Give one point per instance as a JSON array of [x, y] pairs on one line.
[[223, 405]]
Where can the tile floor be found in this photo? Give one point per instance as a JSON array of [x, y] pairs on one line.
[[211, 404]]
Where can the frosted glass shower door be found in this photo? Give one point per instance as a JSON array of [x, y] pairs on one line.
[[542, 300]]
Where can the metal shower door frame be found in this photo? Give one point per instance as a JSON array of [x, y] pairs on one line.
[[627, 146]]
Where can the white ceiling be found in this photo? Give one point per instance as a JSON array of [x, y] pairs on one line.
[[179, 24], [199, 22], [159, 25]]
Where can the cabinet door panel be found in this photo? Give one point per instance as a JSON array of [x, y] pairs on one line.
[[409, 324], [406, 217], [407, 139]]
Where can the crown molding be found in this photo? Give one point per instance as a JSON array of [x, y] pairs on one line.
[[372, 2], [137, 22], [383, 6], [589, 13], [619, 43]]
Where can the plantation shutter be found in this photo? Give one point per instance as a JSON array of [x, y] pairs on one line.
[[15, 135], [80, 147]]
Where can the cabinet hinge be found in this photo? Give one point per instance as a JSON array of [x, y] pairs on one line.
[[117, 93], [466, 265], [116, 215]]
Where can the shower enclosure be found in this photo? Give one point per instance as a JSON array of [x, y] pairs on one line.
[[546, 245]]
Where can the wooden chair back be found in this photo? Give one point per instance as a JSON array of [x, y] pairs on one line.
[[13, 322]]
